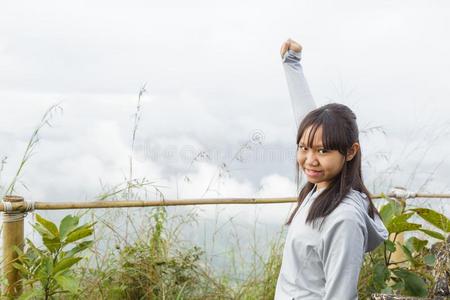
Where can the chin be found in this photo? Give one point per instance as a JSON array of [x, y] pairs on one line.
[[312, 180]]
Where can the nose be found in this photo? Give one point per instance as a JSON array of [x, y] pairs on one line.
[[311, 159]]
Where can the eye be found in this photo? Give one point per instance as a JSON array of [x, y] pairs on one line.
[[302, 148], [322, 151]]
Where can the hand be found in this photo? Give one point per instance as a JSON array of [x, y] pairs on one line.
[[290, 45]]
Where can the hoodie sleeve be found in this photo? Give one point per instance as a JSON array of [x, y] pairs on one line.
[[301, 98], [342, 257]]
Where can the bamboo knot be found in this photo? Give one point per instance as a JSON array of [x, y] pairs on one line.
[[399, 192], [20, 212]]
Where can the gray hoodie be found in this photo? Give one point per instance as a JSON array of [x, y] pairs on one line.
[[324, 264]]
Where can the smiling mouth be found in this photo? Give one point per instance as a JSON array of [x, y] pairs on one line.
[[312, 173]]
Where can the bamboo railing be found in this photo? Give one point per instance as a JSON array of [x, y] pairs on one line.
[[15, 208], [23, 206]]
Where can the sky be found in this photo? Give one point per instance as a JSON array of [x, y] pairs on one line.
[[214, 84]]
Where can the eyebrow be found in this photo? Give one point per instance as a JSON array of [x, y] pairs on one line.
[[303, 144]]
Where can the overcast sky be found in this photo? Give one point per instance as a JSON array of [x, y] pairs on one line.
[[215, 83]]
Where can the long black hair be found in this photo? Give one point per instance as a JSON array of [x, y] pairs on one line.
[[339, 132]]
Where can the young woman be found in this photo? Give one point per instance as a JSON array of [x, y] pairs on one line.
[[335, 221]]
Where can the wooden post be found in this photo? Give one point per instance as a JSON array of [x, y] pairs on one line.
[[13, 235], [398, 255]]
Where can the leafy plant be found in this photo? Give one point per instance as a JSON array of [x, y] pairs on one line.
[[412, 276], [49, 271]]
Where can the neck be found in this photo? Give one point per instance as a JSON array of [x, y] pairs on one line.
[[319, 189]]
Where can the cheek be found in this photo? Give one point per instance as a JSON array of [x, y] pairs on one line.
[[335, 163], [300, 158]]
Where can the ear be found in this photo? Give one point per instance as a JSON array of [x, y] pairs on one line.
[[352, 151]]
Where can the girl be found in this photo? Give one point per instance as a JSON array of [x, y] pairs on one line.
[[335, 221]]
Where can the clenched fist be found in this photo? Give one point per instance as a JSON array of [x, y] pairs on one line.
[[290, 45]]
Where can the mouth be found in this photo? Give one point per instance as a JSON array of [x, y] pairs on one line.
[[313, 173]]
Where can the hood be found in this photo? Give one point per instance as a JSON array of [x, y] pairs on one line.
[[376, 231]]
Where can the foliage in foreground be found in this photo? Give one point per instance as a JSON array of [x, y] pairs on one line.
[[147, 269], [153, 268], [48, 272], [412, 276]]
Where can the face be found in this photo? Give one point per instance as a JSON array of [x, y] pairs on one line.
[[320, 165]]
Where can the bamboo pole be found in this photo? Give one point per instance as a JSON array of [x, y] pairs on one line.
[[23, 206], [144, 203], [13, 235]]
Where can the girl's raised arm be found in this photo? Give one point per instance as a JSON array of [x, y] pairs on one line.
[[301, 98]]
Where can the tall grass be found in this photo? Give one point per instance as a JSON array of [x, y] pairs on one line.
[[31, 146]]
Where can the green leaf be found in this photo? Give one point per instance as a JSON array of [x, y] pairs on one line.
[[18, 250], [52, 245], [21, 268], [68, 283], [402, 226], [44, 269], [415, 244], [389, 211], [433, 217], [43, 231], [380, 274], [50, 226], [398, 286], [68, 224], [434, 234], [65, 264], [408, 254], [30, 294], [80, 247], [34, 251], [78, 234], [400, 273], [429, 259], [390, 246], [414, 285]]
